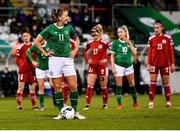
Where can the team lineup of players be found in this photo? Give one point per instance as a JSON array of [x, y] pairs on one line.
[[55, 48]]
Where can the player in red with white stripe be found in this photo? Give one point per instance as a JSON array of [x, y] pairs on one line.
[[26, 71], [98, 65], [160, 59]]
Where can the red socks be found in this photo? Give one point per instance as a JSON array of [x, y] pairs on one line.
[[89, 93], [19, 99], [65, 91], [33, 99], [167, 92], [104, 94], [152, 90]]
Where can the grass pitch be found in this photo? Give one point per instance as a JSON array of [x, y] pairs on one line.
[[97, 118]]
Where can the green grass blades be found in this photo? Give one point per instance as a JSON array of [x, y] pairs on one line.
[[159, 118]]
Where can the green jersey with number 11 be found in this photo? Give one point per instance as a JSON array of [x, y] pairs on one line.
[[122, 53], [58, 39]]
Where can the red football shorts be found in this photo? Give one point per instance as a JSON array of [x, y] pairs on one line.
[[28, 77], [100, 70], [164, 70]]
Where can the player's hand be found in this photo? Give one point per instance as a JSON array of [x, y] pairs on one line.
[[73, 53], [127, 41], [90, 61], [49, 53], [148, 67], [173, 67], [35, 63], [103, 61]]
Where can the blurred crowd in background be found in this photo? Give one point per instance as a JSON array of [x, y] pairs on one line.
[[28, 15]]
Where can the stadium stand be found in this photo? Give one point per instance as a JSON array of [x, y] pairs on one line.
[[15, 14]]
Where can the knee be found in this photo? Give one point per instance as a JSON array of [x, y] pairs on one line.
[[73, 87]]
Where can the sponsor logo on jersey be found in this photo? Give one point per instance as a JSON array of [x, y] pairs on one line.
[[100, 46], [164, 41], [66, 32]]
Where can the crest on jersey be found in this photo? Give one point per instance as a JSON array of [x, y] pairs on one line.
[[66, 32], [100, 46], [164, 41]]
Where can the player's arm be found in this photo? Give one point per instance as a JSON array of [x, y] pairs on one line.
[[149, 56], [75, 50], [85, 54], [171, 51], [113, 49], [113, 63], [28, 54], [75, 37], [131, 46], [38, 42]]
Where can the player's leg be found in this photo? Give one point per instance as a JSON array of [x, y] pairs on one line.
[[129, 72], [58, 93], [53, 91], [32, 88], [118, 92], [65, 90], [130, 79], [40, 76], [165, 80], [20, 90], [118, 79], [91, 79], [69, 73], [72, 82], [41, 92], [153, 81], [55, 68], [104, 90], [103, 78]]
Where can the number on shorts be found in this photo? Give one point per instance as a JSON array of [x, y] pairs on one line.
[[102, 71], [152, 69], [21, 77], [90, 69]]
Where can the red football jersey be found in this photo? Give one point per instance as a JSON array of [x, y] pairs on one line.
[[23, 63], [98, 51], [160, 51], [73, 45]]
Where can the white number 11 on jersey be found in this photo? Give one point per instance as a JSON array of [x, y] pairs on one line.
[[61, 37]]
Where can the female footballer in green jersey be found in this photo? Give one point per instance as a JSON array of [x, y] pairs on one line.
[[61, 61], [42, 69], [122, 64]]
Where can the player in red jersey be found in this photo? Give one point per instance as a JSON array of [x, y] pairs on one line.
[[160, 59], [26, 71], [98, 65]]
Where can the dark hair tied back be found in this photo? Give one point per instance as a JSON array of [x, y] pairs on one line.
[[160, 22], [56, 13]]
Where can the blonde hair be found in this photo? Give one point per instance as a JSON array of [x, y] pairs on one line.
[[99, 28], [124, 27]]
